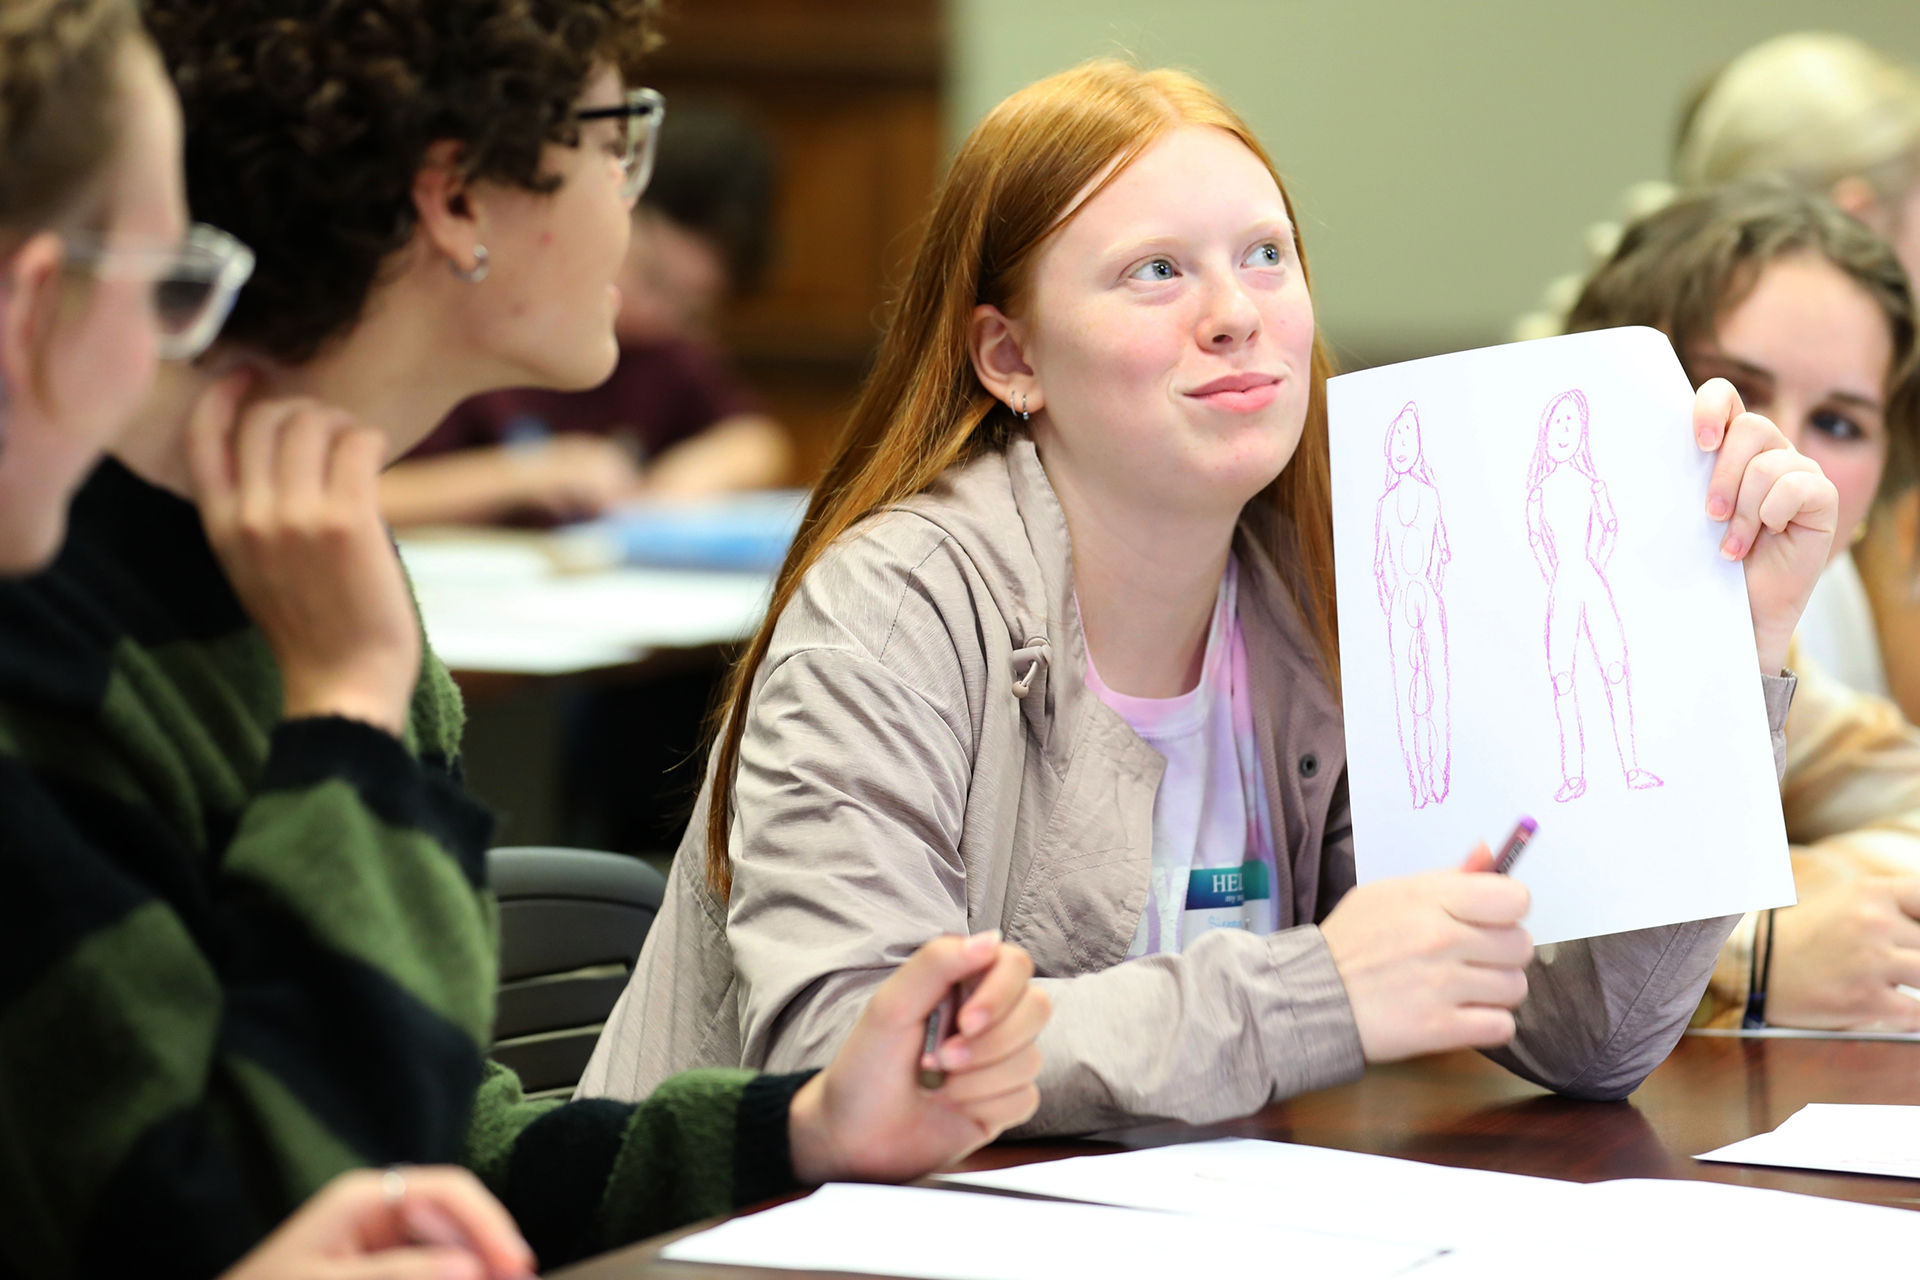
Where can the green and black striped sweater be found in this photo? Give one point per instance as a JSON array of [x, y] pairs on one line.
[[239, 955]]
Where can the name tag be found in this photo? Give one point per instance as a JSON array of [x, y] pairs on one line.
[[1217, 888]]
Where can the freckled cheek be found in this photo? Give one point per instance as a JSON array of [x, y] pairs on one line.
[[1289, 318], [1139, 361], [1108, 360]]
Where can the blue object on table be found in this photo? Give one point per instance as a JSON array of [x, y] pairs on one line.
[[749, 531]]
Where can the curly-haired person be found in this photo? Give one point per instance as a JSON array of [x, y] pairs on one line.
[[246, 843]]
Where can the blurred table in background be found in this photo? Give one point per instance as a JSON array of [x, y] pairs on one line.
[[523, 625], [499, 603]]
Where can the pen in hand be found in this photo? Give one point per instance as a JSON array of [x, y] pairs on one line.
[[939, 1025]]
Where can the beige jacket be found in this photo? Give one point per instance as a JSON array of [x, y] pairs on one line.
[[1851, 793], [922, 757]]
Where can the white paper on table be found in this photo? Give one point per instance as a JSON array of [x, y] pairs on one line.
[[1842, 1137], [957, 1235], [1463, 678], [1649, 1227], [1285, 1184], [1484, 1224], [482, 560]]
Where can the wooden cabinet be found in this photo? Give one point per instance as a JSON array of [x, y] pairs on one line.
[[849, 92]]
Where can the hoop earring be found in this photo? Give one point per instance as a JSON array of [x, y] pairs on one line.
[[1024, 415], [479, 269]]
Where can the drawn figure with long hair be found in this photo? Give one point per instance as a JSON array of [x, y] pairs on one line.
[[1410, 556], [1572, 528]]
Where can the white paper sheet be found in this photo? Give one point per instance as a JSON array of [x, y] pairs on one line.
[[1284, 1184], [1524, 564], [1486, 1225], [1842, 1137], [1652, 1229], [956, 1235]]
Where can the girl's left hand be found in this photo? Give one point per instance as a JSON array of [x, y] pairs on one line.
[[1783, 513]]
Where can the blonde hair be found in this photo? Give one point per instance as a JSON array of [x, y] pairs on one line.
[[59, 106], [1809, 107], [1014, 183]]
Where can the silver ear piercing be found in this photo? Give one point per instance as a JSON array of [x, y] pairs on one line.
[[1024, 415], [478, 272]]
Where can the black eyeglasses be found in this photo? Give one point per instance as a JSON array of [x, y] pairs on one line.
[[640, 116]]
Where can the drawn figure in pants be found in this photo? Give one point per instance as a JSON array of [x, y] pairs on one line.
[[1410, 558], [1572, 529]]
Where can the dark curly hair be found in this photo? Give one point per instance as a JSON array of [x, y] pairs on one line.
[[58, 105], [307, 120]]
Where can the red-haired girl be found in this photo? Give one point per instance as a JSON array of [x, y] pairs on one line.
[[1054, 653]]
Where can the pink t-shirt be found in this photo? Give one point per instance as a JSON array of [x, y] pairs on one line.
[[1213, 860]]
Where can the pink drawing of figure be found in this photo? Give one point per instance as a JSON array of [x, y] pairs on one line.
[[1410, 558], [1572, 528]]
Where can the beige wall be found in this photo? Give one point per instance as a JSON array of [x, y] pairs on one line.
[[1446, 157]]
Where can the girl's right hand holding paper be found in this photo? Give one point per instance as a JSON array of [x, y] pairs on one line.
[[1433, 962], [1780, 508]]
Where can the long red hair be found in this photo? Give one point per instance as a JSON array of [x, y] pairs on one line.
[[1015, 181]]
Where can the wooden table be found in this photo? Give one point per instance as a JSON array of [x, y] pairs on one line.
[[1462, 1110]]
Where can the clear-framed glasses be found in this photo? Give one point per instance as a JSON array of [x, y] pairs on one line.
[[639, 116], [194, 281]]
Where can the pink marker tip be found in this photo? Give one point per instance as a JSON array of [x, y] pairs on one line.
[[1528, 825]]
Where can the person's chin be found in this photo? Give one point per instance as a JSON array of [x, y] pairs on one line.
[[591, 365], [1261, 446], [1278, 424]]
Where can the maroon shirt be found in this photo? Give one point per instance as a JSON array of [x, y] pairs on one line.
[[660, 394]]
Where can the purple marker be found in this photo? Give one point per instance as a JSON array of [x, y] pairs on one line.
[[1515, 846]]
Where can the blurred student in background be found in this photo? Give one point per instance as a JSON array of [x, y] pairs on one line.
[[1824, 112], [1831, 116], [674, 420], [1809, 315]]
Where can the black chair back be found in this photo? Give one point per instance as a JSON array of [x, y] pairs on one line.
[[572, 922]]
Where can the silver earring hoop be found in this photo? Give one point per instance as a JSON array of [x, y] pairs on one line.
[[479, 270], [1024, 415]]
